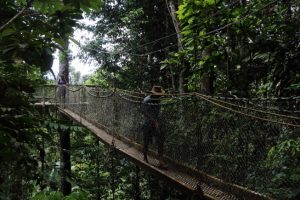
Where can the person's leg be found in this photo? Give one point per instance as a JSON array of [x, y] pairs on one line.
[[59, 94], [147, 138], [63, 95], [160, 142], [160, 149]]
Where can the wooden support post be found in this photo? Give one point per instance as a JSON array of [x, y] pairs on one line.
[[98, 195], [199, 192], [136, 184], [65, 161], [43, 93]]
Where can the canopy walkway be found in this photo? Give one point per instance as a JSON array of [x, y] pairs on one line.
[[216, 148]]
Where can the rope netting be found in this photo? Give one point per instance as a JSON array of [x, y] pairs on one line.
[[249, 142]]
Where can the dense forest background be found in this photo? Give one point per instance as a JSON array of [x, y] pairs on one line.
[[229, 48]]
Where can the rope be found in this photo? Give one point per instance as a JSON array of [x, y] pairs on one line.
[[162, 102], [248, 115], [132, 92], [246, 108], [263, 98], [145, 93], [190, 94], [130, 95], [273, 109], [100, 96], [130, 100], [124, 94], [200, 132], [76, 90]]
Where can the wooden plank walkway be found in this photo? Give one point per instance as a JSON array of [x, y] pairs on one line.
[[195, 183]]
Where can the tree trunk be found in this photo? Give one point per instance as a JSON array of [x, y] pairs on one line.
[[172, 10], [136, 184], [208, 78], [65, 162], [64, 62], [172, 74], [65, 157], [17, 188], [98, 195]]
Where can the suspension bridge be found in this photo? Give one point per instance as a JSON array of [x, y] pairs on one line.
[[216, 147]]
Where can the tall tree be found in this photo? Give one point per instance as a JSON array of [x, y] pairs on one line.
[[131, 28], [172, 8], [30, 31]]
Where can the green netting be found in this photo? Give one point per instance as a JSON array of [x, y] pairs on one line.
[[249, 142]]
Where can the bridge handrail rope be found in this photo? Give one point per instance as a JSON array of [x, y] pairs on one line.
[[228, 103], [215, 99], [251, 102], [122, 94], [81, 87], [262, 98], [76, 90], [274, 109], [85, 87], [206, 98], [210, 99], [202, 126], [100, 96], [246, 114], [247, 108], [164, 101], [164, 97], [145, 93]]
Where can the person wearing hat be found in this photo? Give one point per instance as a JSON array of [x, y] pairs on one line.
[[151, 127]]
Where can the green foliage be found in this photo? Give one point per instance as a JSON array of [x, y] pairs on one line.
[[30, 32], [254, 52], [50, 196], [33, 36], [126, 26], [284, 161], [77, 195], [253, 45]]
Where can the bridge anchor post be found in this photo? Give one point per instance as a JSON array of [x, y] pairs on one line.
[[198, 192]]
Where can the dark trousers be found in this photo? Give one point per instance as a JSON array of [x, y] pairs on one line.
[[150, 131], [62, 94]]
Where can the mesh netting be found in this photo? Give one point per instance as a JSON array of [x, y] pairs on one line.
[[248, 142]]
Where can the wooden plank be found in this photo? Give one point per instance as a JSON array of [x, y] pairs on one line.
[[183, 181]]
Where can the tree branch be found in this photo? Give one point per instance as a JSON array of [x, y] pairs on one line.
[[12, 19]]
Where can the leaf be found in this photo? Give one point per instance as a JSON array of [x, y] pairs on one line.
[[4, 51], [209, 2], [191, 20], [22, 2], [75, 41], [7, 32], [59, 41], [52, 196]]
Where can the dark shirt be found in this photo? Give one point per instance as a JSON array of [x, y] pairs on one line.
[[61, 82], [151, 107]]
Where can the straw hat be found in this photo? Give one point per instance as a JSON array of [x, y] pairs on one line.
[[157, 90]]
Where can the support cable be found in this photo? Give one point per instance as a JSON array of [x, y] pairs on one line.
[[246, 114], [205, 35]]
